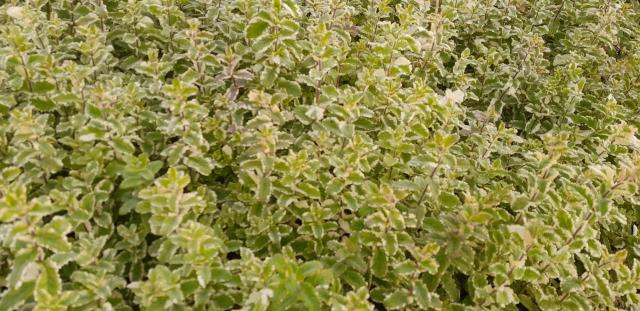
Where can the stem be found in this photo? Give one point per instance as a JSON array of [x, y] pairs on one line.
[[582, 279], [26, 73], [435, 27], [514, 76], [614, 187], [509, 273], [393, 47], [426, 187], [170, 30], [488, 149], [93, 64], [571, 239], [319, 82], [99, 4]]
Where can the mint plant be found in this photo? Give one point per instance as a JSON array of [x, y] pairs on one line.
[[319, 155]]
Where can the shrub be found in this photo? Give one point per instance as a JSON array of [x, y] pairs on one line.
[[319, 154]]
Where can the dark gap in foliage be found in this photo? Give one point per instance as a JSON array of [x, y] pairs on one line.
[[233, 255]]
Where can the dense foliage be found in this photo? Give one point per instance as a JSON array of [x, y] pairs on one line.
[[319, 154]]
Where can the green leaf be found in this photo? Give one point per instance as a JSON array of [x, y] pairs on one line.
[[424, 298], [310, 298], [353, 278], [44, 104], [48, 284], [309, 190], [528, 302], [94, 111], [42, 87], [564, 220], [292, 88], [256, 28], [480, 217], [276, 6], [530, 274], [13, 298], [505, 296], [448, 141], [200, 164], [220, 275], [203, 275], [519, 203], [268, 77], [334, 186], [123, 145], [223, 301], [405, 267], [264, 189], [54, 241], [22, 259], [164, 224], [379, 263], [397, 300], [292, 7], [449, 199], [63, 98], [450, 286]]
